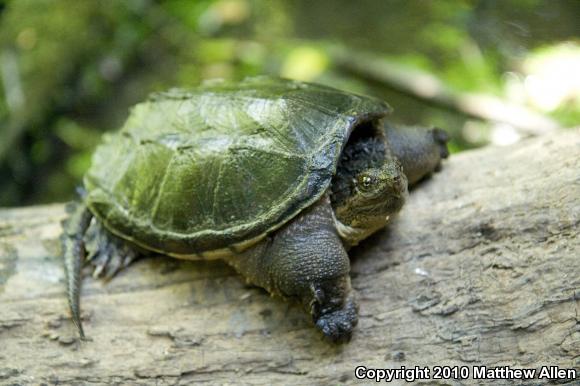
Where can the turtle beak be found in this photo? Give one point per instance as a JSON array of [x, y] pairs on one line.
[[398, 185]]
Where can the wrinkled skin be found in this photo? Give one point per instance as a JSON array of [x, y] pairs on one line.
[[305, 261]]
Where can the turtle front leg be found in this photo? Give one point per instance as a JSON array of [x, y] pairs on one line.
[[419, 150], [305, 260]]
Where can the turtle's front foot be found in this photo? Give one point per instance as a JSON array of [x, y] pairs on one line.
[[337, 324], [440, 137], [334, 308]]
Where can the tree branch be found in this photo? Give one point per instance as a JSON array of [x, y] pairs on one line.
[[428, 88]]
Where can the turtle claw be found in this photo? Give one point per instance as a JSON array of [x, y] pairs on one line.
[[337, 325], [106, 253], [111, 261]]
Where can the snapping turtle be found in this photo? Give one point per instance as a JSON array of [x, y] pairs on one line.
[[278, 177]]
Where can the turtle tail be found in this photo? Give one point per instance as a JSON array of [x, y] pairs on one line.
[[74, 254]]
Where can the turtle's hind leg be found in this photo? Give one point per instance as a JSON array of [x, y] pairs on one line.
[[107, 253], [74, 253]]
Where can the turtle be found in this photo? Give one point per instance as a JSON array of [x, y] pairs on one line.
[[278, 177]]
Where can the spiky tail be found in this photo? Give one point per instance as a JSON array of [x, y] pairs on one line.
[[74, 254]]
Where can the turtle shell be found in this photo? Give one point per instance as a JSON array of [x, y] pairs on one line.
[[218, 167]]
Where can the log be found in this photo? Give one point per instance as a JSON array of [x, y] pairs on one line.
[[482, 268]]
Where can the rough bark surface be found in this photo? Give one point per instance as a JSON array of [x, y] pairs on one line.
[[482, 267]]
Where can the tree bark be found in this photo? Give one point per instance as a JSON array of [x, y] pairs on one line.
[[482, 268]]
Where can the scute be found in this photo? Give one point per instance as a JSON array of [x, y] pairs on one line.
[[204, 169]]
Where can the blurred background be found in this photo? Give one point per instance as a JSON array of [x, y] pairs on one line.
[[488, 71]]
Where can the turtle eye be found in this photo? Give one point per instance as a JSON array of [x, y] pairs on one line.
[[365, 182]]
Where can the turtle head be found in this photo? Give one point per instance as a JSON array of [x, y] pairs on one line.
[[385, 186], [376, 194]]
